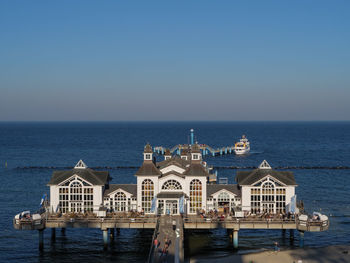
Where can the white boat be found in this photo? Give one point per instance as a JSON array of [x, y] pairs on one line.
[[243, 146]]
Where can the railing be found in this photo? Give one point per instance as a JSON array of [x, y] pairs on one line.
[[149, 259], [256, 220], [102, 220]]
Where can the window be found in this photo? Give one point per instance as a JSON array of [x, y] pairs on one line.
[[195, 157], [195, 195], [148, 156], [268, 192], [147, 193], [171, 185], [255, 200], [223, 197], [120, 202], [280, 200], [75, 195]]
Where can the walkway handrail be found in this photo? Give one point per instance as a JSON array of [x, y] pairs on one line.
[[149, 259]]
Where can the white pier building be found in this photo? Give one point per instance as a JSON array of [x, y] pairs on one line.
[[177, 185]]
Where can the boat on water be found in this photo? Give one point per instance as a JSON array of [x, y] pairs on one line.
[[243, 146]]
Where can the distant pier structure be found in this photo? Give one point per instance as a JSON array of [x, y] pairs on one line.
[[204, 148]]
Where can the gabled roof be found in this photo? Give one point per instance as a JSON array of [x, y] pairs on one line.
[[87, 174], [148, 168], [251, 177], [196, 169], [214, 188], [130, 188], [175, 160], [173, 173]]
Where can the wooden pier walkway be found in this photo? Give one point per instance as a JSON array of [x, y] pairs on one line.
[[173, 235]]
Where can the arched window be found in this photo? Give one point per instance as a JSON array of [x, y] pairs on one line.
[[195, 195], [268, 192], [147, 193], [76, 196], [120, 202], [171, 185], [223, 197]]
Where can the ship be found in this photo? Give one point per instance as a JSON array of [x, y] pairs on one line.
[[243, 146]]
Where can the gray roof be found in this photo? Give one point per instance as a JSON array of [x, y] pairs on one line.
[[93, 177], [174, 160], [130, 188], [251, 177], [171, 195], [174, 173], [148, 168], [196, 169], [213, 188]]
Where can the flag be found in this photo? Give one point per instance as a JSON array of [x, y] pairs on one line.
[[181, 204], [42, 200], [293, 202], [153, 206]]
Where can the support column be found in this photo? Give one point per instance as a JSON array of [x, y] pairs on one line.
[[53, 234], [105, 239], [41, 239], [235, 238], [63, 231], [291, 234], [301, 239], [111, 234]]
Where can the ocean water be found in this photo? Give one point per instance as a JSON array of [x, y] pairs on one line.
[[32, 151]]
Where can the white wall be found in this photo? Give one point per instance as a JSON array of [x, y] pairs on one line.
[[54, 197]]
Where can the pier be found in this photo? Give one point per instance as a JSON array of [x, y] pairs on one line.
[[163, 227], [204, 148]]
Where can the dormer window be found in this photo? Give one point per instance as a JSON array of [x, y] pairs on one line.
[[148, 156]]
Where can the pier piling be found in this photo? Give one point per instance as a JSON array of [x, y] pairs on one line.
[[63, 231], [235, 238], [105, 239], [41, 239], [301, 239], [53, 234], [111, 234]]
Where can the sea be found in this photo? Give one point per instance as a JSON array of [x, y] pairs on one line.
[[317, 152]]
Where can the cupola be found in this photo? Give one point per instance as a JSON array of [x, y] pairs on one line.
[[167, 154], [148, 153], [196, 153]]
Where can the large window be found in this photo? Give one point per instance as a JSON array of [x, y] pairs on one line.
[[171, 185], [268, 192], [255, 200], [195, 195], [280, 200], [75, 196], [223, 197], [120, 202], [147, 195], [268, 197]]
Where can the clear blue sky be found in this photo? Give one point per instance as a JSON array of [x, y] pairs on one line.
[[179, 60]]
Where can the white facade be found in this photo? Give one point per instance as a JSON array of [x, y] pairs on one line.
[[173, 186]]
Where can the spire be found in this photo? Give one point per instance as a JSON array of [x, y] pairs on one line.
[[148, 148], [80, 165], [264, 165]]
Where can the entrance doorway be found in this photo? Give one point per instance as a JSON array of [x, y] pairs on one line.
[[171, 207]]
